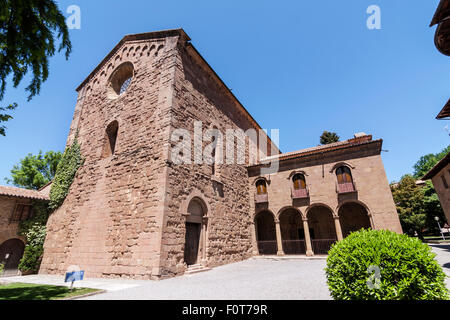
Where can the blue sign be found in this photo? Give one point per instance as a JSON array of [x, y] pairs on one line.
[[74, 276]]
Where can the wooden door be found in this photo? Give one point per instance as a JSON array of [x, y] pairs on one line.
[[192, 242]]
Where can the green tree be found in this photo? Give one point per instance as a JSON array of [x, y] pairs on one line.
[[409, 200], [28, 32], [328, 137], [426, 162], [35, 171]]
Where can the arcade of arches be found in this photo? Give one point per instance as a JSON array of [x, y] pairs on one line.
[[314, 233]]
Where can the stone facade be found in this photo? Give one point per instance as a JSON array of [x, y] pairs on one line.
[[134, 212], [442, 189], [324, 210], [16, 205], [9, 227], [440, 176]]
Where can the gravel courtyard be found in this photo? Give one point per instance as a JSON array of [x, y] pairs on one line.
[[250, 279]]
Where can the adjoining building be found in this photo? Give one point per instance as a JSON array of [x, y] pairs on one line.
[[134, 211], [15, 206], [440, 173]]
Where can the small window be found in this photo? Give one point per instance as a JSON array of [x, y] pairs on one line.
[[109, 145], [344, 175], [21, 212], [299, 181], [261, 187], [444, 182]]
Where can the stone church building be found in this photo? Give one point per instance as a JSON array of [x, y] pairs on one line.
[[133, 211]]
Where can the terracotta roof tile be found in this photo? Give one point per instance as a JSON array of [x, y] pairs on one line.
[[22, 193], [366, 139]]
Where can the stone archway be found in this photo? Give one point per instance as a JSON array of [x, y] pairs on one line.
[[11, 251], [292, 233], [266, 233], [195, 238], [322, 228], [353, 217]]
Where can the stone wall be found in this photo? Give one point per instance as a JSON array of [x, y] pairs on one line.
[[9, 229], [200, 96], [442, 191], [373, 191], [110, 222]]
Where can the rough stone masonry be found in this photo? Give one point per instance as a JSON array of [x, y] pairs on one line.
[[131, 212]]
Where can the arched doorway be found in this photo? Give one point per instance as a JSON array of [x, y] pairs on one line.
[[194, 247], [322, 229], [292, 233], [353, 217], [265, 233], [11, 251]]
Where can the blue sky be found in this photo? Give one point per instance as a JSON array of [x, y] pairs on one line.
[[300, 66]]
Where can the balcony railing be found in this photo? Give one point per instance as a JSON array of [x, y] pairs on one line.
[[300, 193], [347, 187], [322, 246], [294, 246], [261, 198], [267, 247]]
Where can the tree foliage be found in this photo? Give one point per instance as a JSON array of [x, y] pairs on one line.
[[28, 32], [65, 173], [328, 137], [4, 117], [35, 171], [409, 200], [407, 268], [426, 162]]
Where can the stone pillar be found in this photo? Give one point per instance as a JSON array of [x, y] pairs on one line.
[[337, 225], [204, 239], [372, 224], [279, 242], [255, 250], [309, 251]]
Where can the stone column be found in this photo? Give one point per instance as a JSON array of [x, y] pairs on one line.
[[309, 251], [372, 224], [204, 239], [255, 250], [337, 225], [279, 242]]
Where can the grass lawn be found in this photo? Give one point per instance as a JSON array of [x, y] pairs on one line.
[[27, 291]]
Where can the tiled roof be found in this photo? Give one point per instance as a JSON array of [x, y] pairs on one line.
[[445, 112], [22, 193], [438, 167], [366, 139]]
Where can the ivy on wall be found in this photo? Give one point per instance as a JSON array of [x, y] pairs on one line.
[[34, 229], [65, 173], [34, 232]]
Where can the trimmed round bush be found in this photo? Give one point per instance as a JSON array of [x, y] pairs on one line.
[[384, 265]]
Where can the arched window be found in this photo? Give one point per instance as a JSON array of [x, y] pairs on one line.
[[213, 155], [261, 187], [109, 145], [299, 181], [344, 175]]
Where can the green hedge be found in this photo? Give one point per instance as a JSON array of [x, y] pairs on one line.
[[407, 268]]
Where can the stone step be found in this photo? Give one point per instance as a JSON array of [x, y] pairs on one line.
[[196, 268]]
